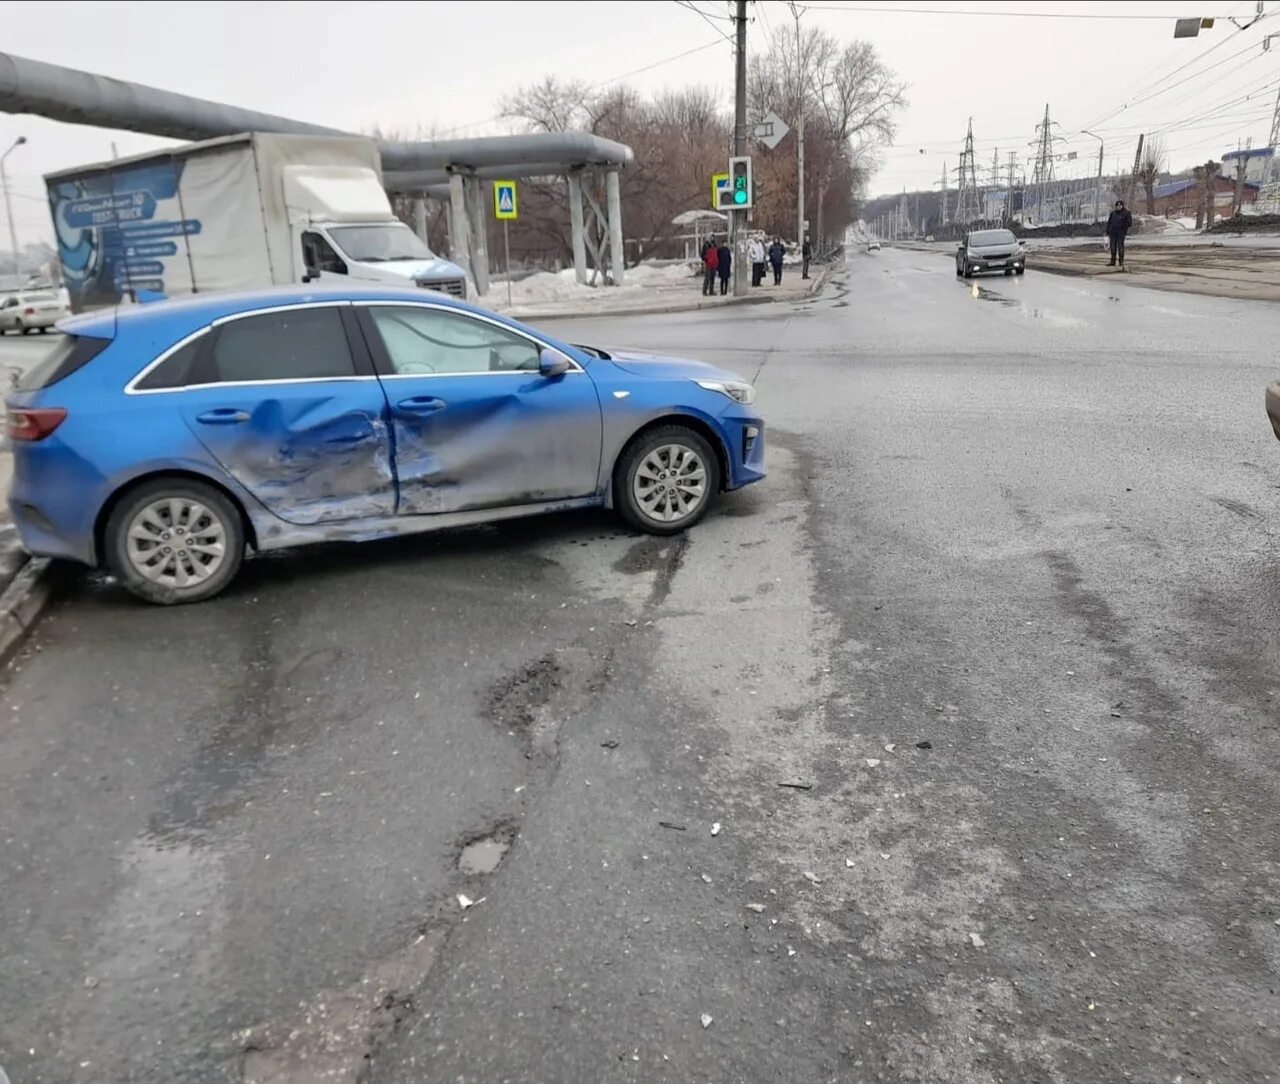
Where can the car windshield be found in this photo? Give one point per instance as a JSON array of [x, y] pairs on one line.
[[381, 243], [991, 237]]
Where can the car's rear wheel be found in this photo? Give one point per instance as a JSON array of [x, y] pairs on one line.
[[666, 479], [174, 540], [1020, 271], [1008, 271]]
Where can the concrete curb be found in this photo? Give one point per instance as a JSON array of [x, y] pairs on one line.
[[816, 281], [23, 603]]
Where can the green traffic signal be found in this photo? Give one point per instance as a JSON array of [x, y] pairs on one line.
[[740, 196]]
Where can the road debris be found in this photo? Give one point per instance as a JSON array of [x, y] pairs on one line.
[[796, 784], [924, 745], [848, 863], [758, 908], [466, 901], [706, 1019], [790, 951], [890, 747], [872, 762], [673, 826], [610, 743], [707, 878], [812, 877], [976, 941], [715, 829]]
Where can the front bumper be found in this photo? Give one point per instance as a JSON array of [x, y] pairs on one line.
[[743, 434], [1273, 407], [1010, 263]]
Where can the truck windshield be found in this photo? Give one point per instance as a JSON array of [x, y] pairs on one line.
[[380, 244]]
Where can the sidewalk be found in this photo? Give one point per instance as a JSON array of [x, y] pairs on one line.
[[674, 292], [1207, 268]]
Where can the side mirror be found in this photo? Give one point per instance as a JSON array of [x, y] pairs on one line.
[[553, 363]]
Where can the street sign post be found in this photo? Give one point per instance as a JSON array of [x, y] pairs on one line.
[[506, 206]]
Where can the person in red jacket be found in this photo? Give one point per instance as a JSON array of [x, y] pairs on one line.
[[710, 261]]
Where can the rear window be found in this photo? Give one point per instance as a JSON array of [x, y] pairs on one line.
[[71, 354], [176, 371]]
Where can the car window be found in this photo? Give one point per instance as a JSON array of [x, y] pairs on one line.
[[321, 255], [298, 344], [176, 371], [425, 341], [39, 297], [71, 354]]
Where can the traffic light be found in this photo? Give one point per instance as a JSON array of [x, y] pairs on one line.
[[737, 194]]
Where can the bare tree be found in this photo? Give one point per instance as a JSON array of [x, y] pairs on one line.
[[1152, 165], [1209, 173]]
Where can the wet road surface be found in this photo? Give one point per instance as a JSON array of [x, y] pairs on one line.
[[1006, 612]]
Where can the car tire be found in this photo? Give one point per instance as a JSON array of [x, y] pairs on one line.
[[968, 271], [1008, 272], [958, 271], [44, 331], [165, 508], [25, 330], [1019, 270], [648, 455]]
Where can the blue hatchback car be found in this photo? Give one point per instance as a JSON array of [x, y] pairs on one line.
[[160, 440]]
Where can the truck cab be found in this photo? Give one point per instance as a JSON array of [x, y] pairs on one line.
[[344, 231]]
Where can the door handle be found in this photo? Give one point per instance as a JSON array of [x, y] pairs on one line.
[[421, 404], [223, 416]]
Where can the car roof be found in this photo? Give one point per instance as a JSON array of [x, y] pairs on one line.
[[196, 310]]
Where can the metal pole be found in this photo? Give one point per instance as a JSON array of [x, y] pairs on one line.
[[738, 218], [799, 132], [1097, 192], [613, 196], [460, 250], [474, 192], [577, 230], [8, 205], [506, 257], [420, 218]]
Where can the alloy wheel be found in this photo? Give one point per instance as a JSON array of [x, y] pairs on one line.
[[176, 542], [670, 483]]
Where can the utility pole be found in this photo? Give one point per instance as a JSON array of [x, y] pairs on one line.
[[942, 215], [795, 12], [1097, 192], [1008, 196], [967, 189], [8, 206], [739, 136], [1042, 176]]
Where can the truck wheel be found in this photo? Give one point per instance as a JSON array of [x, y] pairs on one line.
[[174, 540], [666, 479]]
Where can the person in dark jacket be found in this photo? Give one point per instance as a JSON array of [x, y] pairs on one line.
[[710, 260], [806, 251], [1118, 225], [724, 263], [776, 252]]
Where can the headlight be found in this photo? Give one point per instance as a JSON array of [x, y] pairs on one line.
[[738, 391]]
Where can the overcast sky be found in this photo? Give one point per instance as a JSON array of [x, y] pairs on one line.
[[445, 66]]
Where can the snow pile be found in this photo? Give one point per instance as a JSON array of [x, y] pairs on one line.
[[547, 287]]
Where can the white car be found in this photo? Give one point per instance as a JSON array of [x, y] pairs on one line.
[[38, 310], [873, 246]]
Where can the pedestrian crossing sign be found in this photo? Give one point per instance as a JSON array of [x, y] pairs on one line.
[[505, 202]]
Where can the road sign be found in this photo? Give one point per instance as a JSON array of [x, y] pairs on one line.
[[771, 131], [506, 204], [718, 181]]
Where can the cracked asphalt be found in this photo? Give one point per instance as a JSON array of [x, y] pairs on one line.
[[1005, 614]]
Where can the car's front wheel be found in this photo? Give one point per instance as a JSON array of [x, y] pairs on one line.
[[1020, 271], [666, 479], [968, 271], [174, 540]]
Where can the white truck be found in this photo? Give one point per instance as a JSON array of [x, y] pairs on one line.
[[236, 213]]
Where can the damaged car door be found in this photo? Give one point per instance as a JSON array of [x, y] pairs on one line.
[[281, 402], [475, 422]]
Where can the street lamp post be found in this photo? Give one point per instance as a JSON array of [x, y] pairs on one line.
[[8, 205], [1098, 190]]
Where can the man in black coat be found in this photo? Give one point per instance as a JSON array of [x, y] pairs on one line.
[[1118, 225]]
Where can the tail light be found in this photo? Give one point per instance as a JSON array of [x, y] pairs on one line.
[[28, 312], [34, 424]]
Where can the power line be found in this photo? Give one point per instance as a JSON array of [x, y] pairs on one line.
[[994, 14], [708, 19]]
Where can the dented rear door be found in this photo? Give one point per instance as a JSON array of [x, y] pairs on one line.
[[474, 423], [287, 409]]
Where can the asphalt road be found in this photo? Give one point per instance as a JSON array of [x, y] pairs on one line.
[[1007, 606]]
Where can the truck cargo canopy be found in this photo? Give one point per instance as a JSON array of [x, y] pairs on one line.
[[334, 194]]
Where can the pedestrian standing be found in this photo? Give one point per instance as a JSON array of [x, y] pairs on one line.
[[776, 252], [1118, 224], [710, 260], [724, 263], [755, 253], [806, 251]]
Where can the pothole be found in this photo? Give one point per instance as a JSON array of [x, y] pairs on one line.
[[483, 855]]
